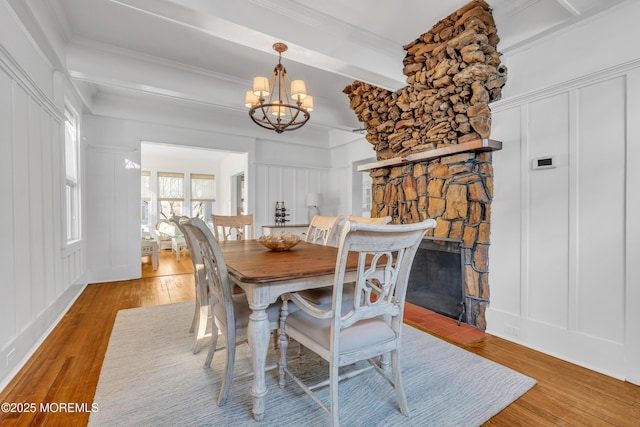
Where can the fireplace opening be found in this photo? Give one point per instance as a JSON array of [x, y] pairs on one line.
[[436, 281]]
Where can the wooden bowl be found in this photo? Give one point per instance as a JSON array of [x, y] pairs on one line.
[[279, 242]]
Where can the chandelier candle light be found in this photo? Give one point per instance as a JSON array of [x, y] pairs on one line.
[[270, 105]]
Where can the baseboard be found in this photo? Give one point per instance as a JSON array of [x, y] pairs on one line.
[[597, 354], [114, 273], [28, 341]]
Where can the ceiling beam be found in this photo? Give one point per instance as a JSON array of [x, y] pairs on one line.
[[317, 41]]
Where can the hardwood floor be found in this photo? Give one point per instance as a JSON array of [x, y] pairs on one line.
[[66, 367]]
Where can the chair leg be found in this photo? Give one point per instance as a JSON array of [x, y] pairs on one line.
[[333, 391], [203, 320], [284, 345], [212, 346], [228, 368], [196, 315], [385, 359], [397, 382], [203, 308]]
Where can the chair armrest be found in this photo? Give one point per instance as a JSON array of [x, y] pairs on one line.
[[306, 306]]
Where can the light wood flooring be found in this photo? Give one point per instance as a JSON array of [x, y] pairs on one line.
[[67, 365]]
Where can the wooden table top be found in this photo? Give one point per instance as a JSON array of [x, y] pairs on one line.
[[249, 261]]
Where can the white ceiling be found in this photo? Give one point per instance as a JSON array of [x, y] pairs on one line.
[[202, 54]]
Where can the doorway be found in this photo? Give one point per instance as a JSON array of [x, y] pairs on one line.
[[186, 162], [238, 192], [361, 196]]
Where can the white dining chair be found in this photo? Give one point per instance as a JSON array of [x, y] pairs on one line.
[[369, 324], [366, 220], [322, 229], [230, 227], [201, 315], [230, 310], [323, 295]]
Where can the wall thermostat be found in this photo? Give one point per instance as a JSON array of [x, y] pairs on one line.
[[547, 162]]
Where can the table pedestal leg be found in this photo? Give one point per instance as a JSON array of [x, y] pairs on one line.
[[258, 331]]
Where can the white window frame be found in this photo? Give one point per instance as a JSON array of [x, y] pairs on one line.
[[72, 175], [162, 197], [205, 198]]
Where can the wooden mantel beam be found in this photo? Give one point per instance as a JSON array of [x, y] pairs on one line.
[[476, 145]]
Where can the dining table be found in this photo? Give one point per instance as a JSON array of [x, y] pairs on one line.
[[265, 275]]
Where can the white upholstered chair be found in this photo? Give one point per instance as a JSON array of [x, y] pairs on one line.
[[367, 325], [166, 231], [201, 315], [229, 227], [230, 311]]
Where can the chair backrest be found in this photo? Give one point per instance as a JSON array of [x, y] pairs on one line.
[[165, 229], [217, 276], [378, 220], [226, 227], [381, 287], [194, 249], [321, 229]]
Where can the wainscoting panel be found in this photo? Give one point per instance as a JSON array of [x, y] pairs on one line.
[[291, 185], [39, 277], [600, 225], [507, 280], [632, 231], [113, 194], [571, 278], [7, 256], [548, 210]]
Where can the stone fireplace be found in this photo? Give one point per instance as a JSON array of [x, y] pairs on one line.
[[433, 283], [431, 138], [456, 191]]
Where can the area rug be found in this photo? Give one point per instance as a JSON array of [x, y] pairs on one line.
[[150, 377]]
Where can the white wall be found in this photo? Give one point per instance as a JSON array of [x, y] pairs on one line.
[[562, 250], [231, 165], [113, 200], [286, 172], [113, 187], [41, 275], [275, 171], [343, 176]]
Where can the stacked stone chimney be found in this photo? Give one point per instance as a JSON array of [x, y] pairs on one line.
[[430, 139]]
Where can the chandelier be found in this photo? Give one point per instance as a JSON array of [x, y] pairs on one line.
[[270, 104]]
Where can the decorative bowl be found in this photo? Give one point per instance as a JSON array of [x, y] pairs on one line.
[[279, 242]]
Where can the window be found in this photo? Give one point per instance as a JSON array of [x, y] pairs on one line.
[[202, 195], [145, 191], [170, 193], [72, 192]]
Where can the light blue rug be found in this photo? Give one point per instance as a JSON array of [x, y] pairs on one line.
[[150, 377]]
